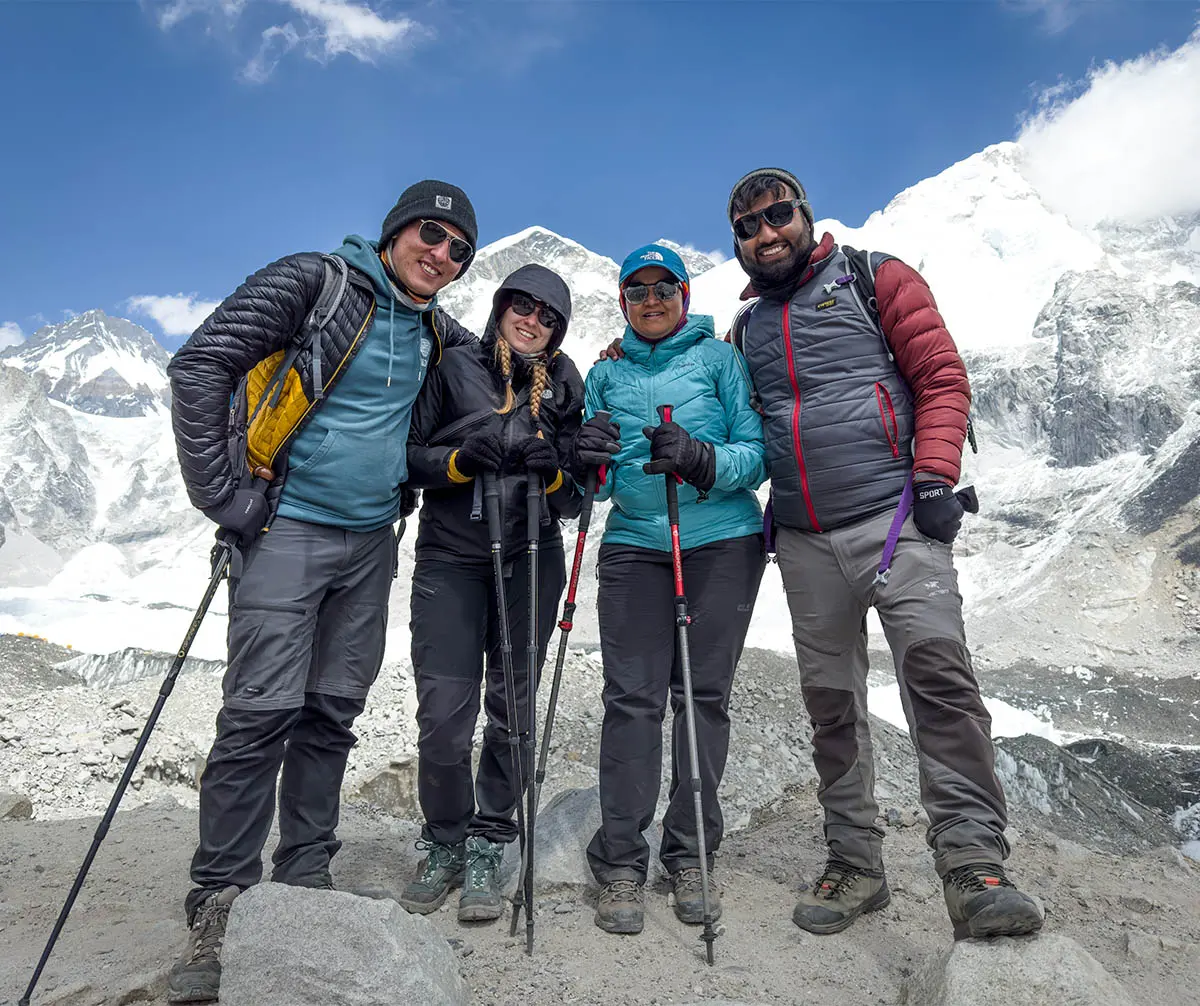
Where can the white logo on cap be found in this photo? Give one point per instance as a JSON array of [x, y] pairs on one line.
[[652, 256], [442, 202]]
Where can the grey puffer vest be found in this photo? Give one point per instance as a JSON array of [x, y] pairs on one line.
[[838, 417]]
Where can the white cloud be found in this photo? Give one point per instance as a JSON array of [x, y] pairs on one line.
[[325, 29], [10, 334], [1124, 144], [176, 314]]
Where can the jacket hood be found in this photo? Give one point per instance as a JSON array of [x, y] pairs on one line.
[[544, 285], [642, 352], [363, 254]]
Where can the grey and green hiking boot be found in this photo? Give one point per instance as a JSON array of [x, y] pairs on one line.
[[622, 907], [437, 874], [689, 896], [481, 899], [839, 896], [196, 976], [983, 902]]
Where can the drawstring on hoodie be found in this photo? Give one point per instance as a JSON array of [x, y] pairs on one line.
[[391, 338]]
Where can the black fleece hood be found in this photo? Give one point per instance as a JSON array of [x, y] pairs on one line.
[[544, 285]]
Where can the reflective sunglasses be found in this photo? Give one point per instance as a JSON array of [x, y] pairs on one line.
[[664, 289], [525, 305], [433, 234], [777, 215]]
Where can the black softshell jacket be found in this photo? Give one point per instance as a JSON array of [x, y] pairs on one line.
[[460, 398]]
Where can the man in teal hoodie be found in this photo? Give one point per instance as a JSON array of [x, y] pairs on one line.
[[329, 393]]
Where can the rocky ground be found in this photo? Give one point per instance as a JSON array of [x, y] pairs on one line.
[[1092, 828]]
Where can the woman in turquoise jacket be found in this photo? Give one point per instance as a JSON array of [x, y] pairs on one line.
[[715, 444]]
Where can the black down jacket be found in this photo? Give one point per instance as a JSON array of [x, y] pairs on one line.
[[461, 397], [247, 337]]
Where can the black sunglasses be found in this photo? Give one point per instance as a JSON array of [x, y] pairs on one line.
[[664, 289], [777, 215], [525, 305], [433, 234]]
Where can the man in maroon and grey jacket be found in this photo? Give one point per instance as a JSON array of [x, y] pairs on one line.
[[865, 412]]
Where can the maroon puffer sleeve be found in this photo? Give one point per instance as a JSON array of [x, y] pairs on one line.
[[929, 361]]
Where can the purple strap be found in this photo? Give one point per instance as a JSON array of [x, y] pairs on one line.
[[889, 546], [769, 525]]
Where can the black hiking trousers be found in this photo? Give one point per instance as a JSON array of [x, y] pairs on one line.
[[454, 631], [307, 619], [639, 642]]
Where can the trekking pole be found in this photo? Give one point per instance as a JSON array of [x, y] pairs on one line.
[[683, 620], [491, 505], [533, 530], [263, 477], [566, 624]]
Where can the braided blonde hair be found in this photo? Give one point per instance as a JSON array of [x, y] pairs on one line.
[[537, 383]]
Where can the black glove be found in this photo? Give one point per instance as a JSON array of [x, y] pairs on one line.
[[938, 509], [595, 444], [409, 498], [480, 453], [533, 454], [672, 450], [243, 516]]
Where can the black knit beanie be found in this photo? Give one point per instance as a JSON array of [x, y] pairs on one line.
[[432, 200]]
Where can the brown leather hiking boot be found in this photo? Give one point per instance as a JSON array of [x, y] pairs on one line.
[[196, 976], [622, 907], [689, 896], [839, 896], [983, 902]]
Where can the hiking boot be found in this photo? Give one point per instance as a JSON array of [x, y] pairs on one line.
[[622, 907], [983, 902], [196, 976], [437, 874], [689, 896], [839, 896], [481, 899]]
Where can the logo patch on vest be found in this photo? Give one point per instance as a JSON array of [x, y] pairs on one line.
[[826, 303]]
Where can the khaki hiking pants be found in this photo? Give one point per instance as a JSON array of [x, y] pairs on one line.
[[829, 579]]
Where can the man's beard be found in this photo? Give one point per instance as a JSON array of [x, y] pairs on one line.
[[783, 273]]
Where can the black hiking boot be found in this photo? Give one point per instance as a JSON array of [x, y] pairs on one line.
[[689, 896], [481, 899], [839, 896], [622, 907], [196, 976], [983, 902], [437, 874]]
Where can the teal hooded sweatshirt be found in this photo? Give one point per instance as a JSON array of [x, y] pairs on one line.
[[346, 466], [704, 381]]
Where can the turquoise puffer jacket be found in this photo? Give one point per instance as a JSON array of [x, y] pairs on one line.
[[703, 379]]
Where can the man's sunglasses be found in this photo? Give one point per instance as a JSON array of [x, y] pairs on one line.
[[433, 234], [777, 215], [664, 289], [525, 306]]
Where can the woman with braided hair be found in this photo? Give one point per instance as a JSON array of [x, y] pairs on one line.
[[509, 405]]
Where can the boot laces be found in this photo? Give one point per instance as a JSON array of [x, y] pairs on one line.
[[439, 857], [624, 890], [210, 924], [976, 877], [688, 880], [837, 878], [482, 863]]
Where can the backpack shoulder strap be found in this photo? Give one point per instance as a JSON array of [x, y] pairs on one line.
[[737, 336], [333, 289]]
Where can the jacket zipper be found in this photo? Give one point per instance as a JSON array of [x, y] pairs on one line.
[[796, 445], [883, 399]]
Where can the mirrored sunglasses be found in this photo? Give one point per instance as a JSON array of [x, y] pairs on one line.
[[664, 289]]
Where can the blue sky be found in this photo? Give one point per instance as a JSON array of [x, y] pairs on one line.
[[170, 148]]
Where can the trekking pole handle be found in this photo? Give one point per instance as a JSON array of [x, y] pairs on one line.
[[491, 507], [590, 480], [664, 414]]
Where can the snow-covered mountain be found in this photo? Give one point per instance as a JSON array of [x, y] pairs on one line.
[[1081, 343], [97, 364]]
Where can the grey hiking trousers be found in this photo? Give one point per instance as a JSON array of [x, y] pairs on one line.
[[307, 620], [829, 579]]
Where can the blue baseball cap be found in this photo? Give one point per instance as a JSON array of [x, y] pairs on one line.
[[654, 255]]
